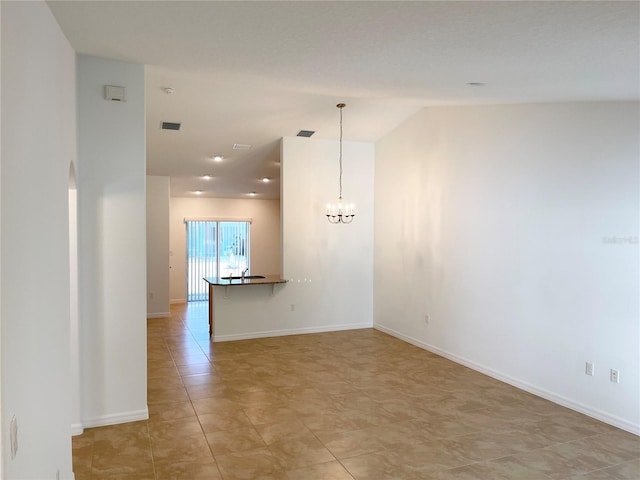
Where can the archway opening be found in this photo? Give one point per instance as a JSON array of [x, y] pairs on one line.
[[76, 419]]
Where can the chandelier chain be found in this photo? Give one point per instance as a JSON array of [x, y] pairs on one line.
[[340, 196], [340, 212]]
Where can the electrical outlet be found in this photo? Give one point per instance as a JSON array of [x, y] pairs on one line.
[[152, 295], [589, 369], [614, 376], [427, 319], [293, 307]]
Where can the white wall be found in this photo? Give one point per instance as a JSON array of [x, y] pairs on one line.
[[330, 267], [38, 144], [264, 231], [338, 258], [157, 246], [2, 430], [494, 221], [112, 254]]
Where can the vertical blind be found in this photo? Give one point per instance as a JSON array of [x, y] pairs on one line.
[[215, 248]]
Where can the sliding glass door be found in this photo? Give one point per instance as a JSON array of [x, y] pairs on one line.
[[214, 249]]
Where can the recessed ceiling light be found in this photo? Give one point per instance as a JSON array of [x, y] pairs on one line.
[[198, 192], [168, 90], [207, 177], [217, 158], [476, 84], [252, 194], [266, 179]]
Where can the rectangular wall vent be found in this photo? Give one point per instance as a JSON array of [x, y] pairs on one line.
[[305, 133], [241, 146], [171, 126], [115, 94]]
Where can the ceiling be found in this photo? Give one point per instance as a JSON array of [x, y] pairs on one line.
[[253, 72]]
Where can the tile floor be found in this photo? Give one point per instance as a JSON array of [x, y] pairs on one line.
[[336, 406]]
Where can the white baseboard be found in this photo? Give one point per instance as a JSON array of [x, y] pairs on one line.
[[291, 331], [527, 387], [76, 429], [176, 301], [116, 418], [159, 315]]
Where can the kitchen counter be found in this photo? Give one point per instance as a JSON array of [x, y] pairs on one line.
[[226, 282], [249, 280]]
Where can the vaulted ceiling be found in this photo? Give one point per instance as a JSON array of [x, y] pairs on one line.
[[252, 72]]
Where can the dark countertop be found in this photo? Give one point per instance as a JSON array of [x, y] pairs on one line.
[[267, 280]]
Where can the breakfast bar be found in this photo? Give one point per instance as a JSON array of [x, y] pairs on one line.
[[237, 281]]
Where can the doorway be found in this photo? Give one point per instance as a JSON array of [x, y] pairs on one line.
[[215, 248]]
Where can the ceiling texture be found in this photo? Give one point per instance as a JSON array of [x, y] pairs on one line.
[[252, 72]]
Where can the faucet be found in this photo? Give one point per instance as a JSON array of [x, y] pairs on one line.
[[244, 272]]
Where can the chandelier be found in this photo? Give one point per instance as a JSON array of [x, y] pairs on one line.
[[341, 211]]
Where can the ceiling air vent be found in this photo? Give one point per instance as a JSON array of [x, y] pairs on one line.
[[241, 146], [170, 126], [305, 133]]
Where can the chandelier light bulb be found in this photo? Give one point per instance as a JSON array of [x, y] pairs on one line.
[[340, 212]]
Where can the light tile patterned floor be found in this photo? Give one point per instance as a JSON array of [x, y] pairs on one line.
[[338, 406]]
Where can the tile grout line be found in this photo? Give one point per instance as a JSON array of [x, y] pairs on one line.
[[191, 401], [334, 456], [153, 462], [206, 439]]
